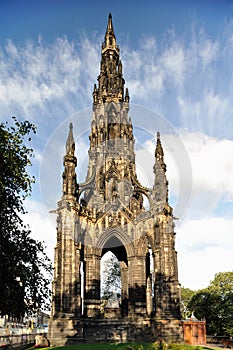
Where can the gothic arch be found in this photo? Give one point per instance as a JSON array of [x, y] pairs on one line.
[[93, 124], [118, 235], [112, 105], [145, 192], [101, 120], [142, 245]]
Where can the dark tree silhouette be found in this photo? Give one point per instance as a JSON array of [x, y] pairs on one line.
[[25, 268]]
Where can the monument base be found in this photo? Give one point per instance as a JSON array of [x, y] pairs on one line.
[[63, 331]]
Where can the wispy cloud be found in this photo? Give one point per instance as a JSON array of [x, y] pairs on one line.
[[188, 79], [36, 77]]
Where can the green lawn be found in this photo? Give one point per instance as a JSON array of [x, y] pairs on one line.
[[129, 346]]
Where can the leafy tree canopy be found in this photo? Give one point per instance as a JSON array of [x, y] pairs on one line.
[[215, 305], [111, 278], [186, 296], [23, 286]]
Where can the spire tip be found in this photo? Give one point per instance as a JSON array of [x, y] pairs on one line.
[[70, 145], [110, 25]]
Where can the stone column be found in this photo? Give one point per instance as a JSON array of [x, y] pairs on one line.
[[76, 282], [92, 285], [149, 308], [140, 285], [137, 286], [124, 288]]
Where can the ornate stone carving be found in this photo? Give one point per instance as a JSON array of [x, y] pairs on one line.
[[106, 213]]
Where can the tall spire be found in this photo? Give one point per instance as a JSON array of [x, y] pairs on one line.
[[70, 162], [70, 145], [110, 39], [159, 154], [160, 189], [110, 80], [110, 29]]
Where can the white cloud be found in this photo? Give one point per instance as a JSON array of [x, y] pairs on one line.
[[206, 174], [208, 51], [41, 75], [204, 249], [199, 168], [173, 63], [42, 224], [212, 171], [187, 79]]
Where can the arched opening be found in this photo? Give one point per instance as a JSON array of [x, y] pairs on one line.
[[110, 285], [149, 281], [146, 203], [114, 278]]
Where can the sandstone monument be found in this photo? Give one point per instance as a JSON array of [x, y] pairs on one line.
[[107, 213]]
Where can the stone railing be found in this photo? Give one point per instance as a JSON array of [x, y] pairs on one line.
[[17, 341]]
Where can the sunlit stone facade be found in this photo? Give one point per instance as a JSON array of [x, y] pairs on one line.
[[107, 213]]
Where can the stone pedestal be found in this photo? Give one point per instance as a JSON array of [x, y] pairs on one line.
[[120, 330]]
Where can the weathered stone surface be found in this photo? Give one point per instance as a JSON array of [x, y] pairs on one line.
[[106, 213]]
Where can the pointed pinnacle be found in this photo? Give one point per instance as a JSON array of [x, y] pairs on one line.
[[159, 150], [126, 95], [70, 145], [110, 25]]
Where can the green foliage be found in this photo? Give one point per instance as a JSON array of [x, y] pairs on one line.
[[111, 278], [222, 283], [215, 305], [22, 259], [186, 347], [158, 345], [135, 347], [186, 296]]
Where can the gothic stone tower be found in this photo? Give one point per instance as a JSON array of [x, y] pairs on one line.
[[106, 213]]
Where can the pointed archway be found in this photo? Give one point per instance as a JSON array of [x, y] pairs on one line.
[[116, 242], [110, 285]]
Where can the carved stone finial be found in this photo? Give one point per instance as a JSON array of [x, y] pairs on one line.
[[70, 145], [95, 92], [110, 26], [159, 150], [126, 95], [70, 162], [161, 184]]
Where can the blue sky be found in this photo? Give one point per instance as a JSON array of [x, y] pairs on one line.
[[177, 62]]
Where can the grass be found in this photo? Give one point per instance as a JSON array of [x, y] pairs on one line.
[[129, 346]]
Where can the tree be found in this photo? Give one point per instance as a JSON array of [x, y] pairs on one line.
[[222, 286], [215, 305], [186, 296], [23, 285], [111, 278], [204, 305]]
